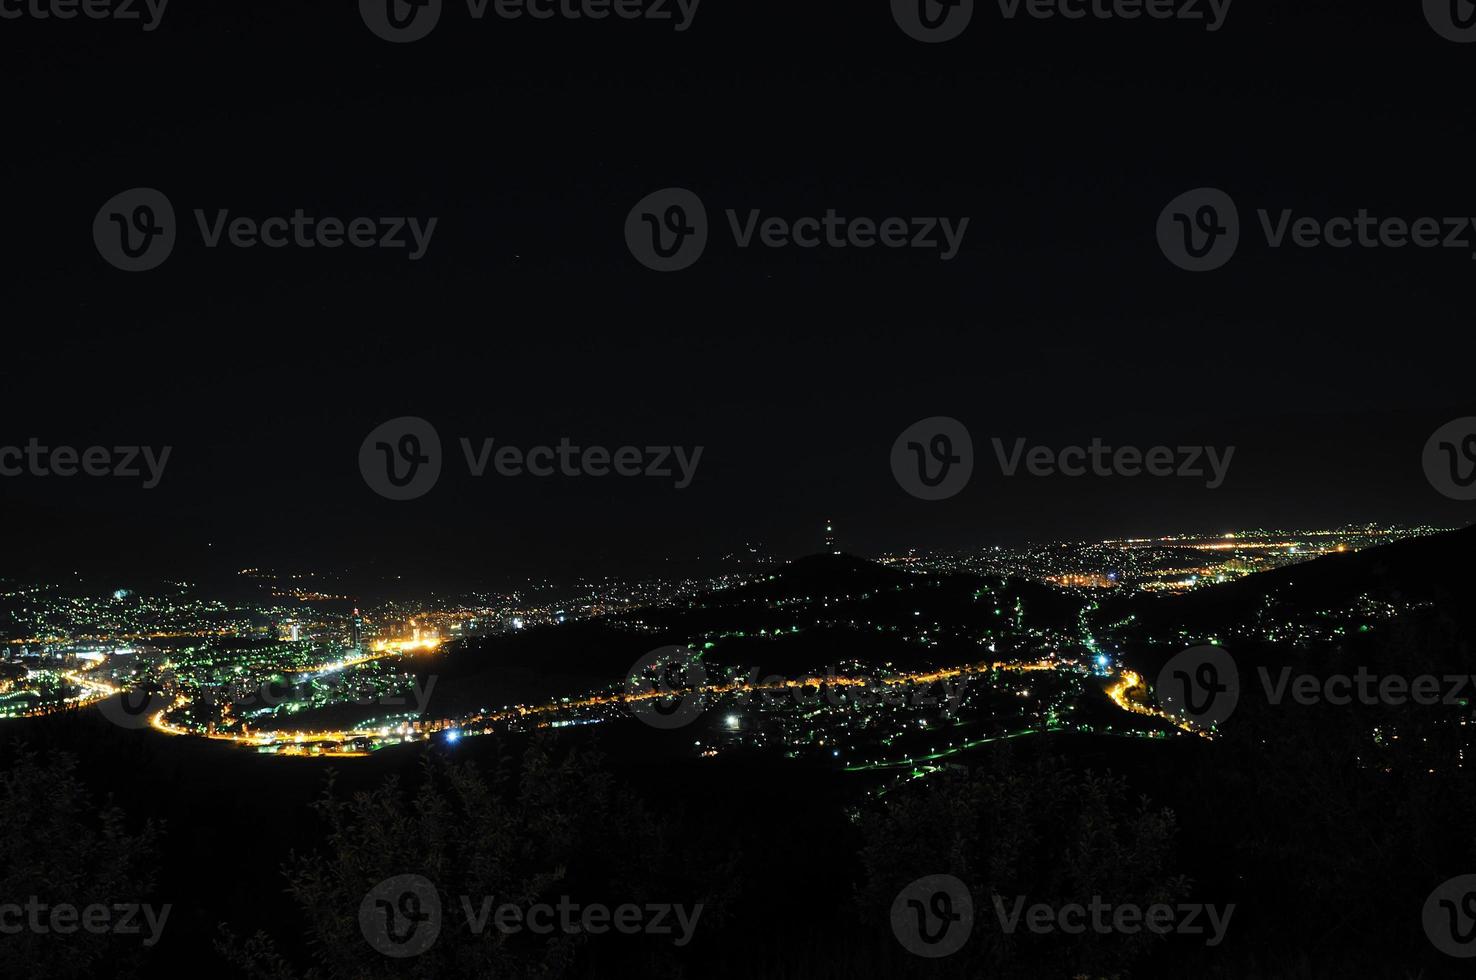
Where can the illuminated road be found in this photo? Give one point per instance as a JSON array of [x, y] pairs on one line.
[[1129, 682], [93, 691], [338, 743]]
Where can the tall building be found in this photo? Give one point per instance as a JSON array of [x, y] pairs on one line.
[[828, 547], [356, 632]]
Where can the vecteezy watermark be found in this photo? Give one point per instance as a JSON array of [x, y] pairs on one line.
[[664, 688], [402, 917], [401, 459], [402, 21], [933, 916], [136, 231], [1107, 918], [1210, 13], [65, 919], [337, 689], [1450, 459], [123, 462], [1125, 461], [149, 13], [668, 231], [137, 707], [671, 688], [1449, 917], [629, 919], [933, 459], [935, 21], [1199, 230], [1454, 20], [1201, 685], [1367, 688], [628, 461]]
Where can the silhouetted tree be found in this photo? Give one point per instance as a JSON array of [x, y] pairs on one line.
[[1042, 832], [59, 848], [556, 827]]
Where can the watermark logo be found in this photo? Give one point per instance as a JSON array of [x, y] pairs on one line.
[[933, 21], [933, 459], [1449, 917], [401, 459], [1211, 12], [65, 919], [664, 688], [1106, 918], [1454, 20], [1450, 459], [136, 708], [400, 21], [567, 459], [933, 916], [1200, 685], [1367, 688], [401, 916], [571, 918], [303, 230], [1100, 459], [667, 229], [336, 689], [1199, 230], [123, 462], [135, 231], [149, 12]]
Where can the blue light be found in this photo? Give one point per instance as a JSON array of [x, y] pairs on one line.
[[1103, 660], [452, 735]]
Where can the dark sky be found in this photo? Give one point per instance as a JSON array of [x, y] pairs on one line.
[[529, 320]]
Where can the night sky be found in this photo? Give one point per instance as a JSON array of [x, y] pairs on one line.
[[528, 319]]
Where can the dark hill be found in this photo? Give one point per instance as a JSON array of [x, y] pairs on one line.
[[1437, 570]]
